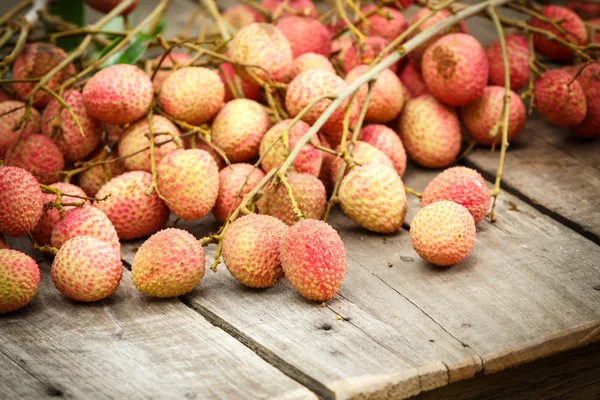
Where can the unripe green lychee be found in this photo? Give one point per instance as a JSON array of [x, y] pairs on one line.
[[430, 132], [308, 191], [274, 152], [295, 30], [86, 269], [570, 23], [38, 155], [169, 264], [175, 58], [362, 153], [66, 135], [373, 196], [386, 140], [233, 180], [443, 233], [132, 212], [192, 94], [119, 94], [238, 129], [21, 203], [188, 181], [251, 250], [313, 258], [308, 61], [85, 221], [559, 99], [461, 185], [135, 139], [518, 61], [11, 112], [19, 280]]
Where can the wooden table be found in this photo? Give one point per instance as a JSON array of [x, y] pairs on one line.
[[397, 328]]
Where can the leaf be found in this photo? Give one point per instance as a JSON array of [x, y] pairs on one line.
[[137, 48], [71, 11]]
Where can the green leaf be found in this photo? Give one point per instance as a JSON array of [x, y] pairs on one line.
[[136, 49], [71, 11]]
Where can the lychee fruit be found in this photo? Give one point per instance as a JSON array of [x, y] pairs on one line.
[[480, 116], [571, 23], [313, 258], [302, 7], [443, 233], [328, 159], [295, 30], [169, 264], [241, 15], [251, 250], [585, 9], [85, 221], [455, 69], [557, 99], [11, 112], [86, 269], [362, 154], [590, 82], [266, 49], [192, 94], [136, 139], [229, 77], [386, 22], [461, 185], [114, 133], [358, 55], [386, 140], [273, 151], [339, 48], [399, 4], [518, 61], [91, 180], [233, 180], [119, 94], [312, 84], [19, 280], [412, 79], [387, 97], [51, 216], [106, 6], [308, 61], [238, 129], [58, 125], [4, 96], [21, 203], [308, 191], [38, 155], [34, 61], [175, 58], [430, 132], [188, 181], [132, 212], [373, 196]]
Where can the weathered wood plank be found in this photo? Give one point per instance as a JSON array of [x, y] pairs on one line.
[[17, 383], [130, 346]]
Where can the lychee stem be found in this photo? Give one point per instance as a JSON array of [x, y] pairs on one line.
[[349, 24], [63, 104], [298, 216], [14, 11], [44, 249], [221, 25]]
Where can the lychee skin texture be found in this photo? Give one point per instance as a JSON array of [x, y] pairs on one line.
[[590, 82], [362, 154], [85, 221], [169, 264], [313, 258], [356, 55], [86, 269], [308, 61], [131, 211], [106, 6], [583, 8], [50, 217], [119, 94], [480, 116], [556, 101], [19, 280], [241, 15], [328, 160], [455, 69], [412, 79], [312, 84], [386, 140], [251, 250], [430, 132], [188, 180], [35, 61], [135, 139], [21, 203], [69, 139], [308, 160], [175, 58], [572, 24], [304, 7], [192, 94], [238, 129], [295, 30], [389, 25], [4, 96], [387, 97], [309, 193], [443, 233], [38, 155], [9, 120], [518, 62], [251, 92], [231, 181], [265, 46], [461, 185], [93, 179], [373, 196]]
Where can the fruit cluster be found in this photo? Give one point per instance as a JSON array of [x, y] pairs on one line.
[[267, 143]]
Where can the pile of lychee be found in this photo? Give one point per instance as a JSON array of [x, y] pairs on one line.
[[195, 140]]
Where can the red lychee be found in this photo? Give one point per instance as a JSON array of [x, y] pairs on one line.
[[571, 23], [518, 61], [559, 100], [235, 179]]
